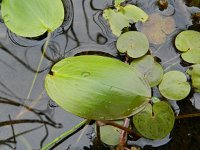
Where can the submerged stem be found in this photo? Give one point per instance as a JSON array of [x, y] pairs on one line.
[[39, 65], [65, 134], [188, 116]]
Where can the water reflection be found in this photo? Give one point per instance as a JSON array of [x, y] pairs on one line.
[[9, 121]]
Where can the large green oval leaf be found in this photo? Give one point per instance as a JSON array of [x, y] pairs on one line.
[[151, 70], [194, 72], [134, 43], [155, 122], [97, 87], [174, 85], [31, 18]]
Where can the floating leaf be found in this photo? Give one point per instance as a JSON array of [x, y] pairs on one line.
[[117, 21], [174, 85], [98, 88], [191, 56], [31, 18], [118, 2], [194, 72], [111, 135], [131, 12], [134, 43], [188, 40], [151, 70], [155, 122], [121, 18], [157, 27], [188, 43]]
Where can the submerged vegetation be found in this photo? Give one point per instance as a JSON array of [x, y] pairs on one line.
[[116, 95]]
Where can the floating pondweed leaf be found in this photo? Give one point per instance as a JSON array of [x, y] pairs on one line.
[[31, 18], [134, 43], [118, 2], [157, 28], [188, 40], [155, 122], [194, 72], [174, 85], [117, 21], [188, 43], [123, 16], [111, 135], [151, 70], [97, 87], [133, 13]]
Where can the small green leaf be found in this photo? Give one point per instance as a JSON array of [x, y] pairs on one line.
[[133, 13], [134, 43], [192, 56], [121, 18], [174, 85], [111, 135], [188, 41], [116, 20], [98, 88], [31, 18], [155, 122], [118, 2], [155, 99], [194, 72], [151, 70]]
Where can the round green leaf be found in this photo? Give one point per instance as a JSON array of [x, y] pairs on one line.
[[192, 56], [31, 18], [134, 43], [111, 135], [194, 72], [98, 88], [152, 71], [174, 85], [188, 40], [155, 122]]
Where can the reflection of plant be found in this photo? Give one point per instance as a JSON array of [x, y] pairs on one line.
[[43, 119], [33, 18]]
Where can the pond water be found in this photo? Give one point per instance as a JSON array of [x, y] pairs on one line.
[[83, 31]]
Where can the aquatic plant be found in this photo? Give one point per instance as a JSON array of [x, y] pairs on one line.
[[102, 88], [123, 16]]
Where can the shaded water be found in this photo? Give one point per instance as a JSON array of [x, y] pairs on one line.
[[83, 30]]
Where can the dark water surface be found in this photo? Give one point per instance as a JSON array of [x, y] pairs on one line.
[[83, 30]]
